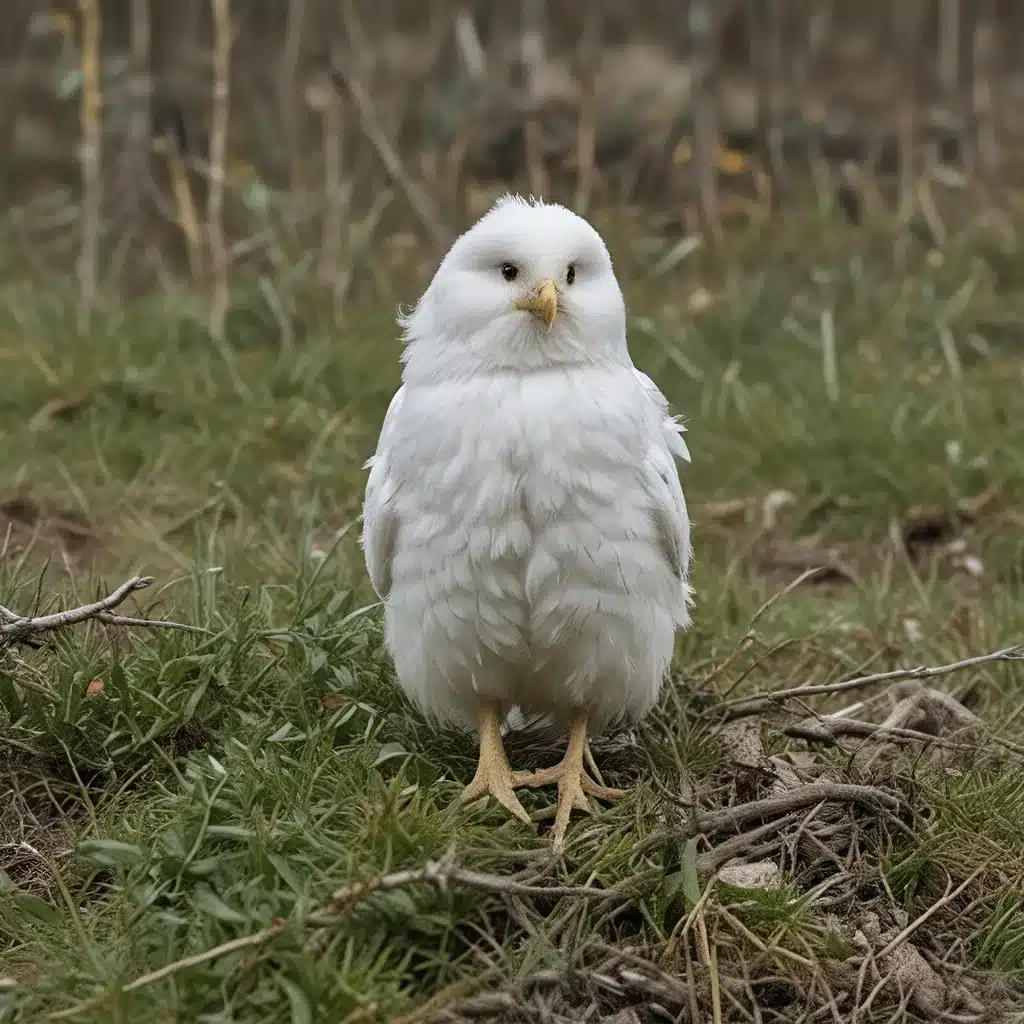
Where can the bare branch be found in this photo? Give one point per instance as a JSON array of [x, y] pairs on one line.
[[758, 703], [444, 873], [17, 628]]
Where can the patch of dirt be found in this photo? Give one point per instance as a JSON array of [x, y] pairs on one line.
[[27, 523]]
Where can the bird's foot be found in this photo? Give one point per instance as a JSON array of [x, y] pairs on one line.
[[559, 774], [497, 781], [574, 784], [493, 775]]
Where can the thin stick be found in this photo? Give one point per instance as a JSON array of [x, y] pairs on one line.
[[586, 123], [899, 940], [336, 196], [774, 807], [829, 731], [218, 160], [15, 628], [185, 210], [91, 157], [757, 703], [443, 873], [346, 81]]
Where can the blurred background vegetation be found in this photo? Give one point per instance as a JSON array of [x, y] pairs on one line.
[[318, 119]]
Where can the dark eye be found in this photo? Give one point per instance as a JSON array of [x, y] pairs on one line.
[[509, 271], [570, 274]]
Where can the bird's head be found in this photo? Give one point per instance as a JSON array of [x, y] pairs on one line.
[[529, 286]]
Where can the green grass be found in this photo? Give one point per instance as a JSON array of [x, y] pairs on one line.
[[227, 783]]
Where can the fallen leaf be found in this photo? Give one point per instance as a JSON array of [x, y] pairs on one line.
[[699, 300], [725, 511], [760, 875], [773, 503]]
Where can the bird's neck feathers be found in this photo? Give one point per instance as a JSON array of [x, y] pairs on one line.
[[437, 349]]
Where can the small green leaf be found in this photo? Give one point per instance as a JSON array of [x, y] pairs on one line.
[[302, 1012], [284, 869], [691, 881], [110, 852], [257, 197], [231, 831], [9, 699], [39, 909], [6, 883], [69, 83], [209, 902], [387, 752], [204, 866]]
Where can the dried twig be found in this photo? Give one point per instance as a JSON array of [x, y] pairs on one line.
[[758, 703], [914, 925], [16, 628], [444, 873], [829, 730], [772, 809], [802, 796]]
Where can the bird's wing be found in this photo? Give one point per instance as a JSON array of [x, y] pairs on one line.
[[671, 427], [669, 506], [380, 523]]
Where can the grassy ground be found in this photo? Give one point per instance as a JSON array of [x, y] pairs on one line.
[[853, 401]]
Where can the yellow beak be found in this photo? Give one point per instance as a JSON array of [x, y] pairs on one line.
[[543, 302]]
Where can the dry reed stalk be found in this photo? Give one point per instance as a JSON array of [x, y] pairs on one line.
[[90, 111], [533, 53], [287, 85], [908, 22], [140, 142], [218, 161], [332, 112], [586, 122], [703, 39]]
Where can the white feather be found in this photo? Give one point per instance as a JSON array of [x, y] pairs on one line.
[[524, 521]]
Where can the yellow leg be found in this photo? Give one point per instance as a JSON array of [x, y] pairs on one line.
[[574, 784], [493, 776]]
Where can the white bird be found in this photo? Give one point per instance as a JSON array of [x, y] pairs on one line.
[[523, 522]]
